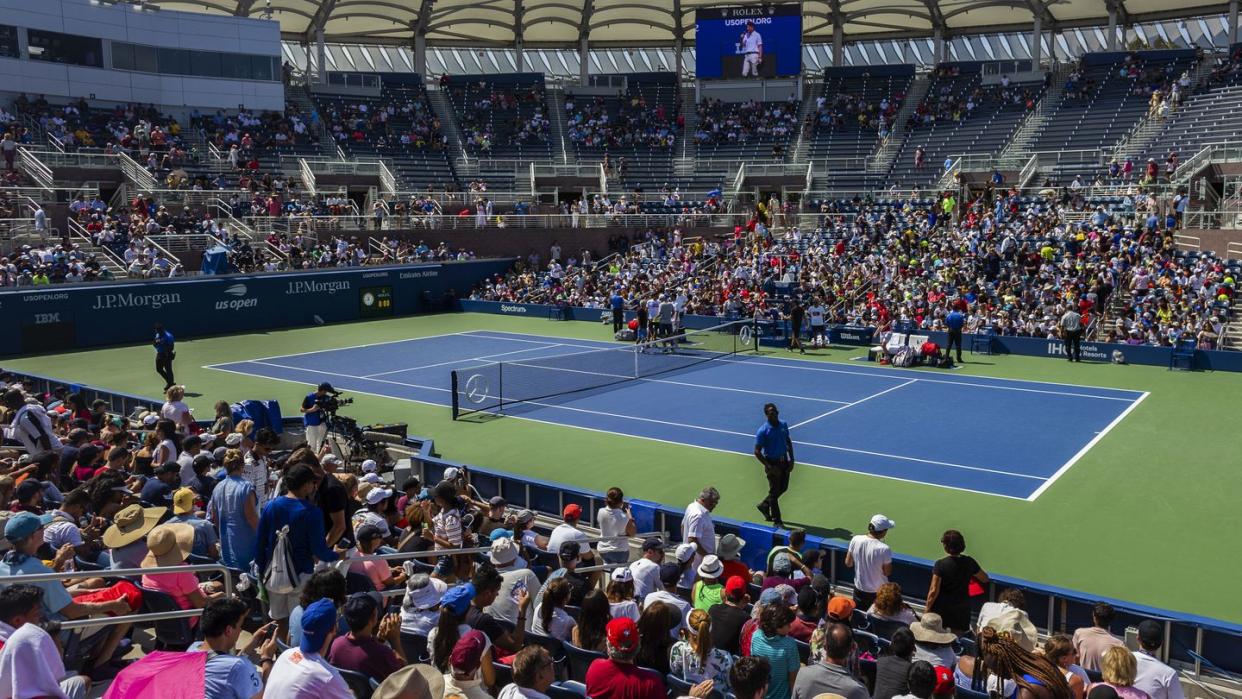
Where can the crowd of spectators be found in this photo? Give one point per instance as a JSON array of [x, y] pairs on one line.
[[403, 121], [845, 108], [743, 122], [630, 123], [90, 491], [484, 105], [1012, 265], [947, 105]]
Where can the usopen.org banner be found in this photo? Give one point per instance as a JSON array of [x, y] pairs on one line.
[[87, 315]]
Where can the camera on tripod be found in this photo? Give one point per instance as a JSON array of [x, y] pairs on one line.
[[332, 402]]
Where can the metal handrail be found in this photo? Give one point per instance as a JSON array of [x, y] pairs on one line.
[[35, 168], [126, 573], [307, 175]]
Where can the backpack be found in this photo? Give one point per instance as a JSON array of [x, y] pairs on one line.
[[281, 577], [904, 357]]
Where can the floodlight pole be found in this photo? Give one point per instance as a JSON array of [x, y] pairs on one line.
[[1233, 22], [1112, 27], [1037, 41]]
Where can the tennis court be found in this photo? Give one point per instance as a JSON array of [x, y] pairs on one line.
[[1003, 437]]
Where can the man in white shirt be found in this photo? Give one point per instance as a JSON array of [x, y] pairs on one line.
[[816, 315], [567, 530], [871, 559], [504, 555], [1153, 676], [646, 570], [697, 527], [670, 575], [30, 424], [752, 51], [303, 671]]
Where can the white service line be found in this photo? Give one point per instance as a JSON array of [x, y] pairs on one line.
[[337, 349], [850, 405], [546, 345], [1087, 447]]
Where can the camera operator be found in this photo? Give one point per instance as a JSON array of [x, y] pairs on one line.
[[314, 416]]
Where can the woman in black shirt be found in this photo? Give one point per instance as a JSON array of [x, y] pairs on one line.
[[949, 595]]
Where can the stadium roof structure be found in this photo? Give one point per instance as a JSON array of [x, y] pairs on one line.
[[651, 23]]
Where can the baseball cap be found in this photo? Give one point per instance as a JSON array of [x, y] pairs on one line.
[[945, 685], [458, 598], [769, 596], [653, 543], [881, 523], [325, 386], [735, 587], [500, 534], [570, 550], [372, 478], [377, 495], [503, 552], [468, 652], [572, 511], [318, 620], [169, 467], [330, 459], [670, 573], [622, 634], [840, 608], [622, 575], [685, 552], [369, 466], [496, 501], [23, 524], [451, 473], [27, 489], [183, 501], [782, 565], [367, 532], [233, 440]]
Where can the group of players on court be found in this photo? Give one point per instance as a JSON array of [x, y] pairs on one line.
[[660, 317]]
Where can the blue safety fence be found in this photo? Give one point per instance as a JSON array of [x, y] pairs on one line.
[[1205, 645]]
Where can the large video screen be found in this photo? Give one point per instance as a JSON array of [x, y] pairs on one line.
[[755, 42]]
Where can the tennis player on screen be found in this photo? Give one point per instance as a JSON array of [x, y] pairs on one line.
[[774, 449], [752, 51]]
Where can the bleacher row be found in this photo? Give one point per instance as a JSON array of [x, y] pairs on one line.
[[642, 130]]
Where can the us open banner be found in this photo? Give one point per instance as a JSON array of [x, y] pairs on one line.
[[48, 319]]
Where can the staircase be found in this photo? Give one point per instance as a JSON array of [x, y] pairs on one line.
[[562, 150], [299, 96], [1232, 335], [443, 109], [881, 160], [106, 258], [684, 162], [1019, 147], [810, 95], [1146, 131]]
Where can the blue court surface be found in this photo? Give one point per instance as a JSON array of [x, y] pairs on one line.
[[992, 436]]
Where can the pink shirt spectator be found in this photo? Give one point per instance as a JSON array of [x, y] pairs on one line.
[[177, 585]]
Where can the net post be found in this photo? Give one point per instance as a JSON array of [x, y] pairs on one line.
[[754, 333], [500, 386], [453, 385]]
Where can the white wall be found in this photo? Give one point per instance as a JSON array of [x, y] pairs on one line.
[[161, 28]]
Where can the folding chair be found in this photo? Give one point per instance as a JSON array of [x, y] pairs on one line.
[[1184, 350], [983, 342]]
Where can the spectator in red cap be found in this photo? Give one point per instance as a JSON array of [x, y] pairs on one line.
[[730, 616], [465, 661], [617, 677], [568, 530]]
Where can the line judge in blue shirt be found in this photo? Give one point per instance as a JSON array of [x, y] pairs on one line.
[[774, 449], [954, 322]]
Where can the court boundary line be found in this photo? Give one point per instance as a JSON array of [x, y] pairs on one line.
[[484, 358], [850, 405], [1087, 447], [349, 347], [657, 439], [798, 363]]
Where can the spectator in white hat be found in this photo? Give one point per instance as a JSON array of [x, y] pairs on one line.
[[621, 594], [686, 555], [374, 512], [420, 610], [504, 555], [871, 559], [707, 588]]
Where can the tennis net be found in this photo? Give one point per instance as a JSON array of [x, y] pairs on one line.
[[490, 387]]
